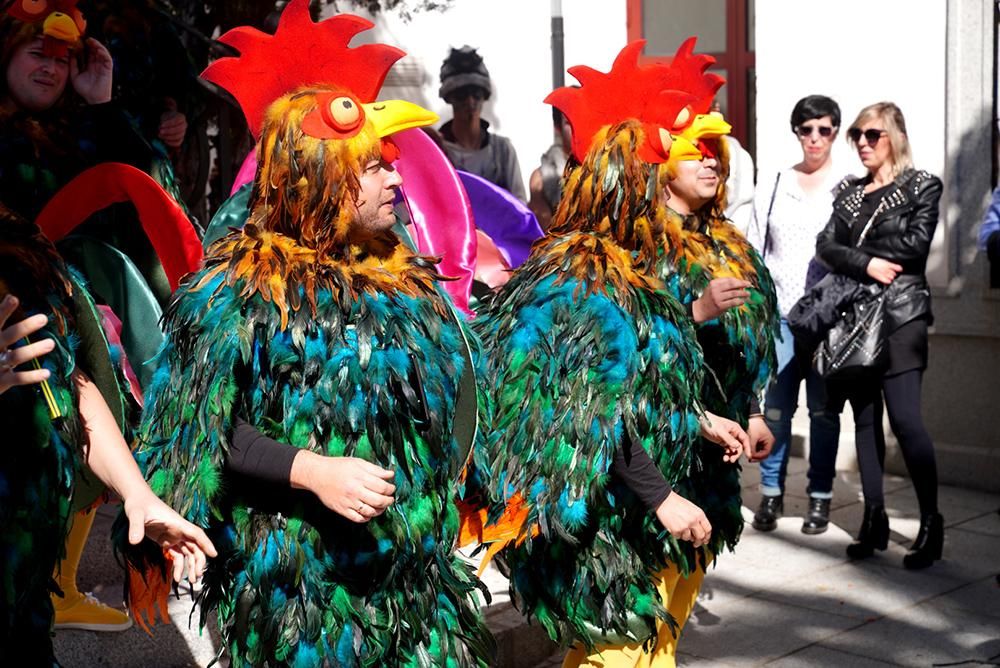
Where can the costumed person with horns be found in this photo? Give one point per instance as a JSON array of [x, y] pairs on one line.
[[599, 372], [719, 277], [306, 402]]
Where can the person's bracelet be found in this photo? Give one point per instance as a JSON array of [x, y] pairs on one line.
[[760, 415]]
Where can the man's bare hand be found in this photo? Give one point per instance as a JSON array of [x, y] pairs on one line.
[[761, 439], [721, 294], [684, 520], [727, 433], [349, 486]]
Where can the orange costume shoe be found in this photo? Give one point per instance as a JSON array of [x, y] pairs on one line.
[[76, 610], [83, 611]]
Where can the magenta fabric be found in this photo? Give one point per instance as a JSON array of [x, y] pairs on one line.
[[112, 327], [247, 171], [505, 218], [439, 210]]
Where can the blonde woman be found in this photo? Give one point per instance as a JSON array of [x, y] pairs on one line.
[[899, 207]]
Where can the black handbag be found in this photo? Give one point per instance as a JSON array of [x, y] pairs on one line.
[[843, 322], [856, 342]]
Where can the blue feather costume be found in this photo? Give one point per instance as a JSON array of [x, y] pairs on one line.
[[588, 352], [738, 349], [345, 359]]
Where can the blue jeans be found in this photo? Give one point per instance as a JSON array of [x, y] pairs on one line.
[[824, 425]]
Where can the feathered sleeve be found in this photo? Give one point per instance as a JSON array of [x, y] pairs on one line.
[[188, 418], [561, 366], [184, 433]]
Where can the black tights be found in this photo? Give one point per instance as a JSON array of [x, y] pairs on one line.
[[902, 400]]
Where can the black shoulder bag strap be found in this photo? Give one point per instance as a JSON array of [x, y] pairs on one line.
[[767, 221]]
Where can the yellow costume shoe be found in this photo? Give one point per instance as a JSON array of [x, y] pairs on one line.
[[83, 611]]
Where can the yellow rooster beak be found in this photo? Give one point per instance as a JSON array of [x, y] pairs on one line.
[[706, 125], [62, 27], [683, 149], [391, 116]]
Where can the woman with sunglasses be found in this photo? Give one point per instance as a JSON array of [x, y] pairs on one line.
[[786, 219], [899, 206]]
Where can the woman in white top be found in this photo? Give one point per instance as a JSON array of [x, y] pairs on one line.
[[789, 212]]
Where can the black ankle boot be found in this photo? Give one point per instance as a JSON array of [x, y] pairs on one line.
[[818, 519], [873, 535], [770, 509], [926, 549]]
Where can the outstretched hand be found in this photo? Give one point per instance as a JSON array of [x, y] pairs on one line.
[[349, 486], [761, 439], [94, 83], [727, 433], [684, 520], [12, 356], [187, 544]]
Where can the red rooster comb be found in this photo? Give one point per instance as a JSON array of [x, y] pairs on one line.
[[301, 52], [62, 24], [688, 72], [628, 91]]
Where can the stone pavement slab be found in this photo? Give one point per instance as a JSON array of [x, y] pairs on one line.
[[817, 655], [787, 599], [862, 590], [924, 635], [755, 630]]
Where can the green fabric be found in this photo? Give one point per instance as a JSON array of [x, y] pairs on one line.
[[232, 213], [93, 358], [118, 283]]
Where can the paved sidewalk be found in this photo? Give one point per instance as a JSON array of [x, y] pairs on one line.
[[783, 599], [787, 599]]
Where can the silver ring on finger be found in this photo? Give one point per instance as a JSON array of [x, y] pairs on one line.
[[5, 364]]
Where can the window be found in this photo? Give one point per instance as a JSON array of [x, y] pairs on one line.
[[724, 29]]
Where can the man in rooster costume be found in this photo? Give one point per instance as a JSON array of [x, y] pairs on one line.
[[304, 406], [728, 293], [599, 376]]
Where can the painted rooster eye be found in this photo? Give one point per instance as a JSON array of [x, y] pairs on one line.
[[34, 7], [343, 114], [682, 118]]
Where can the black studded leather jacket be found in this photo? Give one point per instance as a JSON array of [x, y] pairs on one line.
[[900, 231]]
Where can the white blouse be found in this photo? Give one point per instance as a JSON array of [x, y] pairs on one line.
[[796, 219]]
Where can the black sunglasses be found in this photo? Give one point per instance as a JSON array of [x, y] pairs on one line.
[[807, 130], [871, 135]]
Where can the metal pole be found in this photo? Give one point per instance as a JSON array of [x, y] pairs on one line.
[[558, 64]]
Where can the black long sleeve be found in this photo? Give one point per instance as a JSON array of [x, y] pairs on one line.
[[255, 455], [633, 465]]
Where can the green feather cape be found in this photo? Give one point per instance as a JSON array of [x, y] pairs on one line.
[[358, 357]]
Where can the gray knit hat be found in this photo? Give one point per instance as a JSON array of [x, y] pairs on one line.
[[464, 67]]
